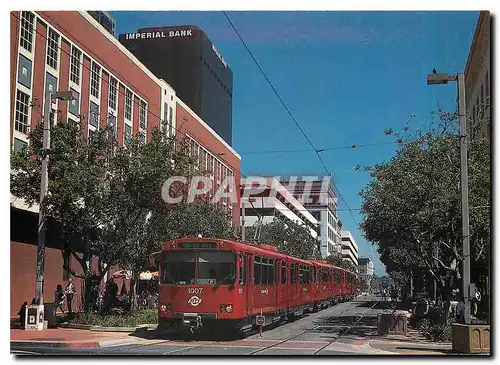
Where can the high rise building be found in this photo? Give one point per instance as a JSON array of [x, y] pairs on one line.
[[71, 50], [365, 266], [349, 248], [318, 197], [275, 201], [105, 19], [185, 58]]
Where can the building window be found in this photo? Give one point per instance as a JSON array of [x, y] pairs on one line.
[[142, 115], [27, 19], [128, 105], [128, 134], [112, 123], [24, 71], [51, 85], [170, 123], [76, 55], [74, 105], [19, 146], [95, 80], [142, 138], [94, 115], [53, 49], [22, 104], [112, 93]]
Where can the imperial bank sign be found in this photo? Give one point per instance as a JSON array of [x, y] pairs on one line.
[[169, 34]]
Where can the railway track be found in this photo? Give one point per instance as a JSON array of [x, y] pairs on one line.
[[291, 338]]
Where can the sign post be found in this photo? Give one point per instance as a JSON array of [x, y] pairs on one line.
[[260, 320]]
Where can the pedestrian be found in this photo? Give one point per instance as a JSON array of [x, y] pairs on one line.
[[22, 314], [460, 310], [59, 298], [70, 291], [113, 291]]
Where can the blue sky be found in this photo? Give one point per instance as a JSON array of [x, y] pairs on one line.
[[345, 76]]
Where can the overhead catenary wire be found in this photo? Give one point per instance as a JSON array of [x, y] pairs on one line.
[[123, 93], [150, 113], [119, 92], [316, 150]]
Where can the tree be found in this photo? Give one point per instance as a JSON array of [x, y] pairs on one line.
[[289, 237], [412, 206], [102, 194], [76, 173]]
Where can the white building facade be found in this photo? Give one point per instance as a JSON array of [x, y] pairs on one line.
[[318, 197], [349, 248], [365, 270], [267, 198]]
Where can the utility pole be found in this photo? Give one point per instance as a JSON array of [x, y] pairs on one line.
[[435, 79], [44, 188], [464, 183], [242, 220]]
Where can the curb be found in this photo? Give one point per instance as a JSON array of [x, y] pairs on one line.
[[60, 345], [108, 343], [144, 327]]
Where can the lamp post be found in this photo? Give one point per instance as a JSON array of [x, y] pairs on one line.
[[44, 184], [436, 79]]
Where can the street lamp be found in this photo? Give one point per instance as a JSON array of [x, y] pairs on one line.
[[436, 79], [40, 259]]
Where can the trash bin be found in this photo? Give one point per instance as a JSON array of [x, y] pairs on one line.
[[50, 315]]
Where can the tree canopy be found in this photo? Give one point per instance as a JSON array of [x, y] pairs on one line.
[[412, 205], [106, 198], [289, 237]]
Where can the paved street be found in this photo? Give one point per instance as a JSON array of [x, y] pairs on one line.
[[343, 329]]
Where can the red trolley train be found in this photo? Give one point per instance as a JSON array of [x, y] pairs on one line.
[[216, 282]]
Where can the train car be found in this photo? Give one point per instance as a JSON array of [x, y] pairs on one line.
[[215, 282]]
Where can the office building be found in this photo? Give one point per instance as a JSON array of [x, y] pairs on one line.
[[105, 19], [365, 270], [349, 248], [70, 50], [477, 78], [273, 201], [319, 199], [185, 58]]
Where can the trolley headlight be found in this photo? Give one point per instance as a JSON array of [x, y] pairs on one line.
[[163, 308]]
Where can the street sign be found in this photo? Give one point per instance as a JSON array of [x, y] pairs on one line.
[[260, 320]]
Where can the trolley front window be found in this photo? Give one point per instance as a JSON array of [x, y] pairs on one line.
[[178, 267], [216, 268]]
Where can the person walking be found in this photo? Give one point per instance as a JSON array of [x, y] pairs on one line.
[[59, 298], [70, 291]]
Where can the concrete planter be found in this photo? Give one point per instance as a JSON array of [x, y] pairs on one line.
[[396, 323], [470, 339]]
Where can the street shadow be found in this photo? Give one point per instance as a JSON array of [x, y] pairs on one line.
[[347, 326], [382, 305], [180, 335]]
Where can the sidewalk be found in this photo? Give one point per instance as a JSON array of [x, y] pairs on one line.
[[69, 338], [413, 343]]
